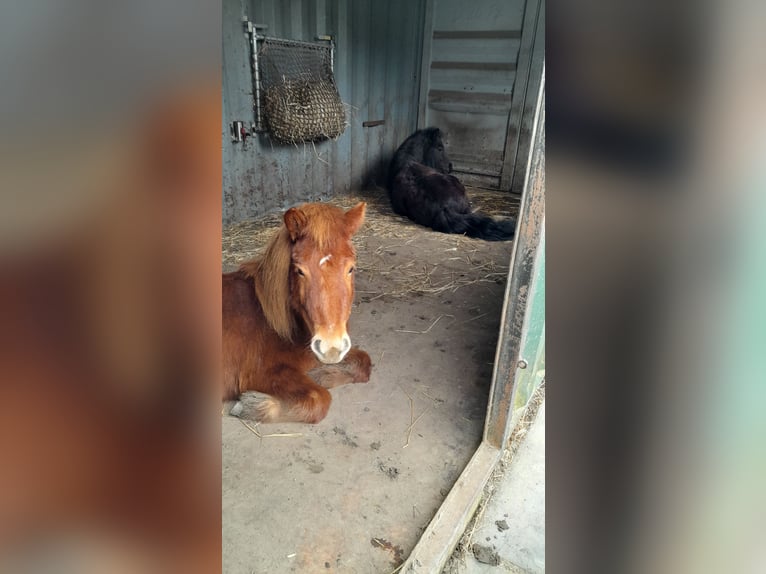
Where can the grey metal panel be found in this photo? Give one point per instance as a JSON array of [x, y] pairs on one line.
[[476, 102], [408, 83], [339, 26], [469, 81], [258, 176], [387, 38], [471, 73], [530, 62], [425, 63], [236, 105], [476, 34], [486, 139], [360, 51], [377, 67], [528, 110], [261, 176], [479, 15], [476, 49], [376, 89]]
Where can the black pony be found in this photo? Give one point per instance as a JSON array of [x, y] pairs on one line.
[[421, 188]]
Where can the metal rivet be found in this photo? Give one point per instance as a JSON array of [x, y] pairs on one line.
[[522, 364]]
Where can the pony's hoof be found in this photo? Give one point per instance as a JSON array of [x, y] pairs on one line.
[[364, 368], [236, 409], [232, 408]]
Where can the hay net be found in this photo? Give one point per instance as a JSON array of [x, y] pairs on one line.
[[300, 99]]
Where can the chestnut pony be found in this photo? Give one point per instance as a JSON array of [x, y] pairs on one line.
[[285, 318]]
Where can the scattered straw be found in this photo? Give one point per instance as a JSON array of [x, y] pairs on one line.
[[245, 240], [412, 424], [473, 319], [319, 157], [427, 330], [412, 414], [425, 394], [413, 420], [262, 436]]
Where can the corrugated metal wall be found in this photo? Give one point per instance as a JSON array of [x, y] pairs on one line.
[[377, 67]]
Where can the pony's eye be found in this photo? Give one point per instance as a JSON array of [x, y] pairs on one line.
[[300, 271], [351, 270]]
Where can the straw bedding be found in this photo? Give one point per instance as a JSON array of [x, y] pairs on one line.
[[396, 257]]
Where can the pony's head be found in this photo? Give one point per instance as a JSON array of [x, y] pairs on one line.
[[435, 155], [321, 274]]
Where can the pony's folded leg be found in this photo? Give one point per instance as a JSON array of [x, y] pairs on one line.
[[355, 368], [255, 406], [293, 397], [332, 376], [309, 404], [359, 363]]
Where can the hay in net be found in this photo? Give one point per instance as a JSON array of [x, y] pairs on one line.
[[304, 111], [300, 99]]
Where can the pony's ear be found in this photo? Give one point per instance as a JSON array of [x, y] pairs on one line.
[[295, 221], [355, 217]]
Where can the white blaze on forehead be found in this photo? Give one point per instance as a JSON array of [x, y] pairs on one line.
[[325, 259]]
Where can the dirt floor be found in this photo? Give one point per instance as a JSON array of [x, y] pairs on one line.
[[353, 493]]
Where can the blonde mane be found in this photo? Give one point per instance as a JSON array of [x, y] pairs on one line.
[[271, 275]]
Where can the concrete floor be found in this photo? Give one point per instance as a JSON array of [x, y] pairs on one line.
[[353, 493], [510, 536]]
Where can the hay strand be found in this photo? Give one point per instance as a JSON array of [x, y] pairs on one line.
[[262, 436], [421, 332], [412, 424]]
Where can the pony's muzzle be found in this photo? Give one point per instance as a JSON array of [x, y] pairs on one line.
[[331, 351]]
